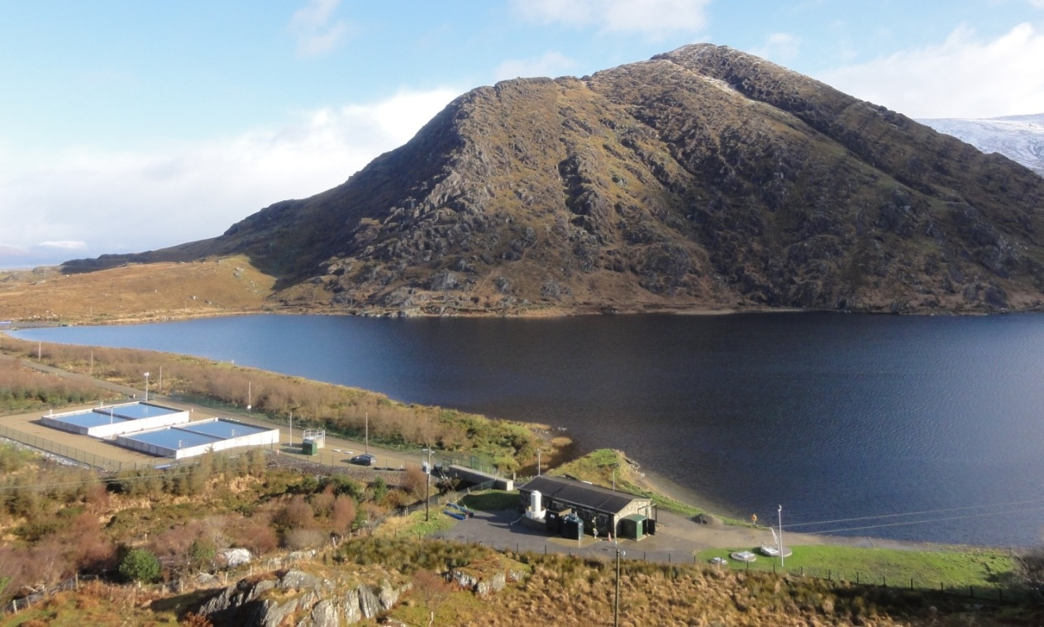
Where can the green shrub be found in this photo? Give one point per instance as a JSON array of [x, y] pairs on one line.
[[140, 565], [201, 553], [380, 489]]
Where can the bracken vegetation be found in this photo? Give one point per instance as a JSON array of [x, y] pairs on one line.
[[57, 521], [24, 390]]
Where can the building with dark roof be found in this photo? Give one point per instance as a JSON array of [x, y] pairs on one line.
[[600, 508]]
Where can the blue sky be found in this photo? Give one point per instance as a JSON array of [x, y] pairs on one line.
[[130, 125]]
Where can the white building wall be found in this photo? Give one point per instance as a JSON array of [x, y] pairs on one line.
[[264, 438], [141, 424]]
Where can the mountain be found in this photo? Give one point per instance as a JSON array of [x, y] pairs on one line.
[[703, 178], [1019, 137]]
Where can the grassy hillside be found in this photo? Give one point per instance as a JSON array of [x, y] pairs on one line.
[[134, 292]]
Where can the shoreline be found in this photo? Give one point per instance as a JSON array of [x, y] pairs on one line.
[[528, 314], [739, 534]]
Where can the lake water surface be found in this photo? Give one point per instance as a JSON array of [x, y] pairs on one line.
[[916, 428]]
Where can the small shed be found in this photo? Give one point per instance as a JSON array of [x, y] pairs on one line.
[[310, 447], [633, 526]]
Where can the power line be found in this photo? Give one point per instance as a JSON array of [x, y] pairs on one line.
[[932, 520], [919, 513]]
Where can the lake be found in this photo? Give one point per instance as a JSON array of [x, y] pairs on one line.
[[912, 428]]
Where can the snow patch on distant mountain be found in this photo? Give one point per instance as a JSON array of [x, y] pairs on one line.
[[1018, 137]]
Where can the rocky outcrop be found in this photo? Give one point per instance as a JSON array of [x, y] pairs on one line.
[[702, 178], [487, 576], [268, 600]]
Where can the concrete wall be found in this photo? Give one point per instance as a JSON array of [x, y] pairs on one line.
[[118, 427], [48, 421], [265, 438], [475, 477], [141, 424]]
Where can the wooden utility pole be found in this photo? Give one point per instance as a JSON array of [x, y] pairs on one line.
[[616, 601]]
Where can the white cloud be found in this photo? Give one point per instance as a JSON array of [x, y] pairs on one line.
[[91, 201], [652, 18], [550, 64], [781, 48], [312, 27], [66, 245], [963, 77]]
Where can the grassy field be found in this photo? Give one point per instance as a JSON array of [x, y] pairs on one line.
[[491, 501], [983, 569], [414, 525]]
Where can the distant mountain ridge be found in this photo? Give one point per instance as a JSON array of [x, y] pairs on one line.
[[703, 178], [1018, 137]]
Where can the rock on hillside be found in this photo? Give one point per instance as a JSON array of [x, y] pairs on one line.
[[701, 178], [274, 598]]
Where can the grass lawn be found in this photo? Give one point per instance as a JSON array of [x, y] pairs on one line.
[[492, 500], [414, 525], [949, 570]]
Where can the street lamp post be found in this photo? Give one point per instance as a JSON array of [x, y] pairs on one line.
[[427, 488], [780, 512], [146, 387], [616, 600]]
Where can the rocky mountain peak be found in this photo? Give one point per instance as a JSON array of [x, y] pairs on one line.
[[702, 178]]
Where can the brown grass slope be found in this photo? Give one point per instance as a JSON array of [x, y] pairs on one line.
[[135, 291], [702, 178]]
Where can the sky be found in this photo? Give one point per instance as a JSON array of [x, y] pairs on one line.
[[128, 126]]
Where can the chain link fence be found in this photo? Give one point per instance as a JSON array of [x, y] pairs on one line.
[[68, 452]]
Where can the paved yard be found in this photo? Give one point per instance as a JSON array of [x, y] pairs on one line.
[[677, 538]]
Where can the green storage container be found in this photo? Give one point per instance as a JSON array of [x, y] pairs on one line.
[[633, 526]]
